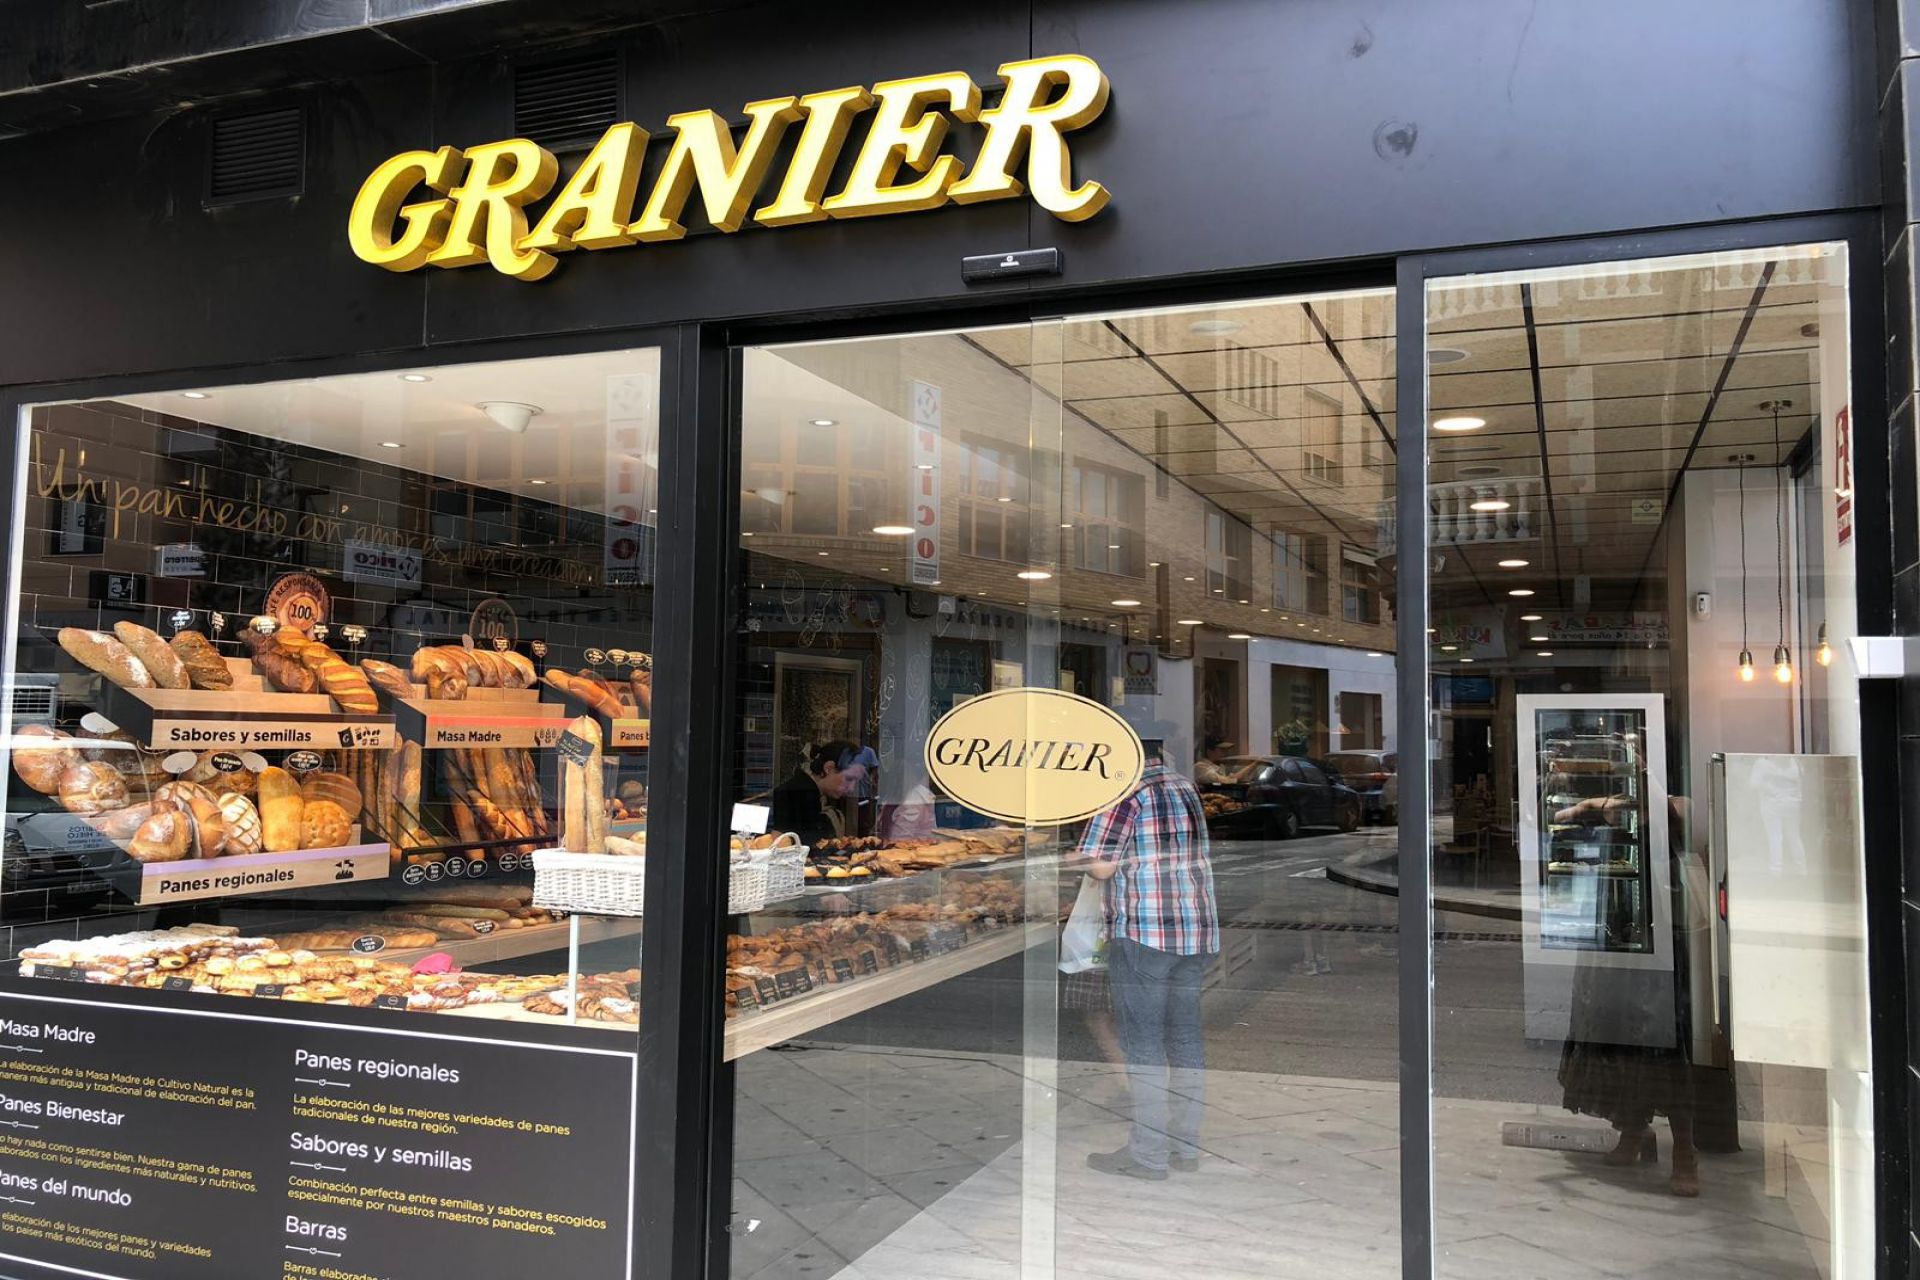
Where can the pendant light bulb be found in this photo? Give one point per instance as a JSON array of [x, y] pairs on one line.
[[1746, 666], [1823, 654], [1782, 664]]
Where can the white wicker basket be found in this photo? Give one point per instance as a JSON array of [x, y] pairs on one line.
[[600, 884], [747, 885], [786, 872]]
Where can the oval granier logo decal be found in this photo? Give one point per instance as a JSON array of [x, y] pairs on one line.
[[1035, 756]]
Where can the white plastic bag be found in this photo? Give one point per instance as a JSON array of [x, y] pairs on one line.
[[1084, 944]]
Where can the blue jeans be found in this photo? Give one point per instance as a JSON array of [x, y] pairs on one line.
[[1156, 1000]]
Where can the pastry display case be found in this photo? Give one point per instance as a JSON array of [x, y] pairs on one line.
[[1593, 829]]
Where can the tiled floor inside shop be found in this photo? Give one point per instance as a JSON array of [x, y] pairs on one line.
[[877, 1165]]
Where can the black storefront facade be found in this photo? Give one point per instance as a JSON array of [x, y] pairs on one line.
[[1357, 228]]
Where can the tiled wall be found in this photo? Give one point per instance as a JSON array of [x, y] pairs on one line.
[[542, 559]]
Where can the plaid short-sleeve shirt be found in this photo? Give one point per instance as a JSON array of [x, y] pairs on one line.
[[1161, 895]]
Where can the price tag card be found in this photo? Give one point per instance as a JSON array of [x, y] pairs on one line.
[[368, 943], [751, 819], [483, 927], [390, 1002], [768, 990], [574, 748], [842, 969], [60, 972], [917, 949], [177, 984], [869, 962], [270, 990], [892, 950], [745, 1000]]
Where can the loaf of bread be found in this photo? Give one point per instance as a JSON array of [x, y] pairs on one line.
[[520, 672], [98, 651], [182, 793], [581, 788], [384, 675], [89, 787], [280, 810], [283, 670], [166, 836], [243, 824], [328, 785], [41, 767], [446, 684], [120, 824], [154, 654], [204, 666], [493, 672], [209, 838], [642, 684], [346, 685], [324, 825], [432, 659]]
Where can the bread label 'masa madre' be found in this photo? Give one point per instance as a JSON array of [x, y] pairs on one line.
[[458, 207], [1039, 757]]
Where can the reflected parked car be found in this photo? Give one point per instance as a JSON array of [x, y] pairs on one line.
[[1282, 796], [1375, 775]]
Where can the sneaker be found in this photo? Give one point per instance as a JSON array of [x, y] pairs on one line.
[[1184, 1164], [1124, 1165]]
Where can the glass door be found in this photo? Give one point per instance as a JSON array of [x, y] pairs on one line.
[[1650, 1052], [1088, 1028]]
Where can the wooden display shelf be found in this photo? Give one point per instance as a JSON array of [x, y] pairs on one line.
[[618, 733], [160, 883], [240, 720], [484, 718]]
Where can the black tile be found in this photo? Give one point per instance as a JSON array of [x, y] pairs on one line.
[[1901, 352], [1906, 601], [1904, 481], [1895, 179]]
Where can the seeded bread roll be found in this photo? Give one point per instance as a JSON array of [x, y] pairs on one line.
[[98, 651], [154, 653], [166, 836], [283, 670], [205, 668], [324, 825]]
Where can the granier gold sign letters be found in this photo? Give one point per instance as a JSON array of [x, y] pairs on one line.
[[1035, 756], [476, 201]]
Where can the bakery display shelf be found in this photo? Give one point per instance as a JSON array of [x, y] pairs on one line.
[[778, 1023], [239, 720], [510, 944], [484, 718], [617, 733]]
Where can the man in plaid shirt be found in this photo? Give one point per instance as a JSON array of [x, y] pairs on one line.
[[1164, 930]]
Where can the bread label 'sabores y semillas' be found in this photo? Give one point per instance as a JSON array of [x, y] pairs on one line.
[[1035, 756], [477, 207]]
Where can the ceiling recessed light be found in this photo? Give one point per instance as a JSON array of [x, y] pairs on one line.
[[1521, 591], [1544, 653], [1238, 635], [1449, 648], [1529, 617], [894, 530], [536, 482], [1187, 622], [1459, 422], [825, 422], [415, 377], [1538, 639], [1445, 355], [1125, 604], [1033, 575], [1371, 653], [1189, 578], [923, 466], [391, 444], [193, 395], [1113, 546], [1214, 328], [1515, 564], [1003, 499], [1489, 504], [822, 553], [1153, 564], [1066, 526], [1466, 659]]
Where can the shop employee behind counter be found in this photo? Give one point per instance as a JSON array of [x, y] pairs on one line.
[[812, 801]]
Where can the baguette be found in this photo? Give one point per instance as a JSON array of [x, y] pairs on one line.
[[460, 910], [444, 685], [98, 651], [205, 668], [461, 662], [384, 675], [520, 668], [595, 790], [161, 662], [346, 685], [493, 671], [432, 659], [283, 670]]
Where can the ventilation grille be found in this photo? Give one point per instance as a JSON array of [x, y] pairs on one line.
[[567, 104], [257, 157], [33, 703]]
